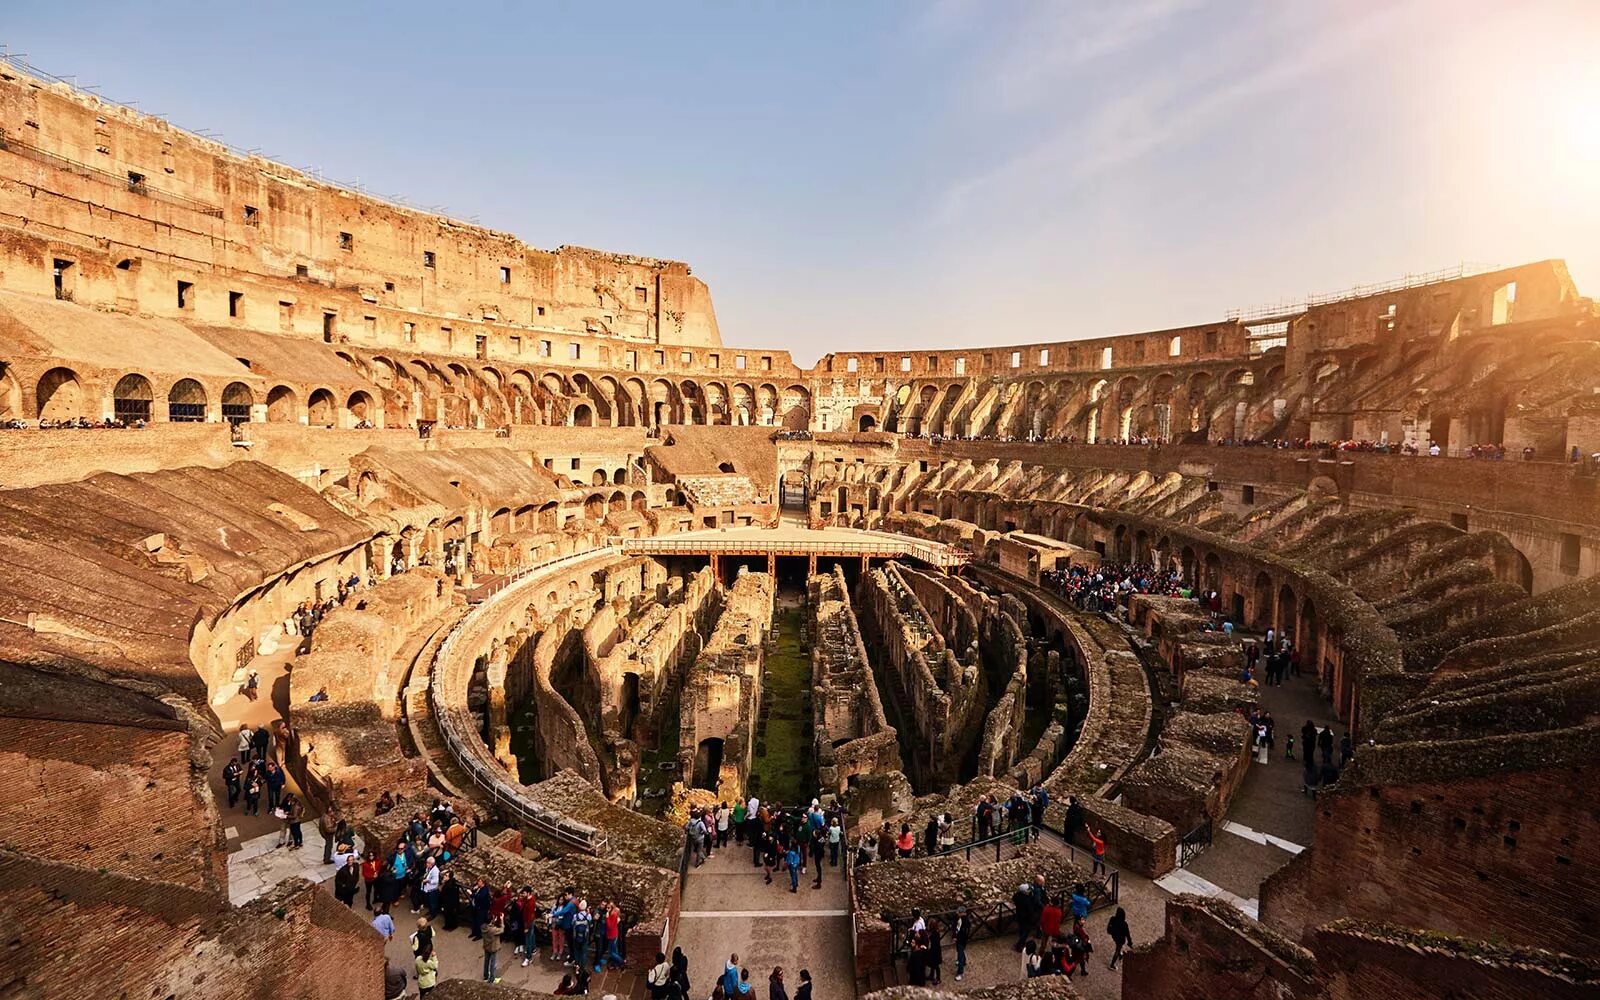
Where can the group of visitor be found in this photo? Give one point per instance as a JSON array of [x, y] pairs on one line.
[[1317, 747], [73, 424], [1108, 585], [781, 840]]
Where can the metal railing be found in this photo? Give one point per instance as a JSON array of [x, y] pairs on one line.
[[934, 554], [1194, 843], [468, 752], [134, 184]]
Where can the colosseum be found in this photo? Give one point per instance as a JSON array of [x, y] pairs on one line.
[[364, 567]]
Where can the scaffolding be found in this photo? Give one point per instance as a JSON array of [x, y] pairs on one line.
[[1285, 309]]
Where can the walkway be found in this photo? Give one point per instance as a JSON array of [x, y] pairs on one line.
[[729, 908], [1270, 820], [791, 539]]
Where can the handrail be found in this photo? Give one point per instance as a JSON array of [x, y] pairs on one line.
[[503, 793], [933, 553]]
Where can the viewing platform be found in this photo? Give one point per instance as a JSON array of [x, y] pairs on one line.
[[792, 540]]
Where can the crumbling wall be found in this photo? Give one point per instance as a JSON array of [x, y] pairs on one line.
[[852, 735], [722, 691]]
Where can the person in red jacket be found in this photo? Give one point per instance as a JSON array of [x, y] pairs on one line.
[[1050, 920], [529, 904]]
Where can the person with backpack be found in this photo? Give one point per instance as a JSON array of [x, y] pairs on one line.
[[1080, 945], [561, 926], [491, 948], [582, 922], [659, 979], [791, 860]]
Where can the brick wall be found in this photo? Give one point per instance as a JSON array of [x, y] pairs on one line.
[[1210, 950], [1505, 856], [1356, 964], [114, 797]]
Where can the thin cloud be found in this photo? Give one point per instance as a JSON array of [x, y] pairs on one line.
[[1164, 109]]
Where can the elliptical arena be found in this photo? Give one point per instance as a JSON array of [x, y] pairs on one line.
[[459, 519]]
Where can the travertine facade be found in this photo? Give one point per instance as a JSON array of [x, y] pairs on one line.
[[325, 386]]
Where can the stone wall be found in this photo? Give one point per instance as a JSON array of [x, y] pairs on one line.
[[721, 693]]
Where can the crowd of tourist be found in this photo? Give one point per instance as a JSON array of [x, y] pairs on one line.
[[72, 424], [784, 841], [1108, 585]]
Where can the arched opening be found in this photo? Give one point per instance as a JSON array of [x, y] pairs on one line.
[[362, 411], [282, 405], [708, 764], [640, 501], [60, 395], [599, 478], [1286, 609], [594, 508], [548, 517], [321, 409], [619, 477], [1262, 603], [868, 423], [131, 399], [237, 399], [10, 394], [1213, 573], [186, 402], [793, 490], [582, 415]]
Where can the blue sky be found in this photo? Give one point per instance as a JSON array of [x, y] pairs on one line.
[[917, 175]]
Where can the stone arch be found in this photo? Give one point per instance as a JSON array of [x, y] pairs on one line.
[[582, 415], [321, 409], [619, 476], [640, 502], [1288, 608], [283, 405], [796, 408], [59, 395], [1262, 601], [868, 423], [186, 402], [362, 408], [132, 397], [599, 478], [237, 401], [10, 394]]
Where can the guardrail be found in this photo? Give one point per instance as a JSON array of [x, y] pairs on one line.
[[937, 555], [490, 778]]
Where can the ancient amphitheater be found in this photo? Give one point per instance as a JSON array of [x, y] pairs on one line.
[[457, 518]]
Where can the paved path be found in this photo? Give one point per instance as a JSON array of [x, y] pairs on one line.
[[259, 864], [728, 908]]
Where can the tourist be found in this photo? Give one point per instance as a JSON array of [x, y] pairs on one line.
[[935, 953], [347, 881], [730, 975], [737, 819], [744, 990], [480, 906], [578, 935], [724, 820], [791, 861], [886, 842], [961, 932], [369, 875], [1097, 843], [1346, 750], [804, 992], [383, 923], [1050, 918], [427, 966], [775, 988], [1121, 935], [566, 987], [276, 779], [680, 973], [611, 914], [819, 847], [328, 826], [430, 887], [1027, 916], [260, 742], [232, 777], [695, 830], [659, 979], [422, 937], [245, 743], [867, 852], [1080, 945], [1074, 818], [528, 911], [491, 948], [1079, 902], [394, 981], [983, 818], [1325, 744], [835, 837], [561, 923], [906, 844]]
